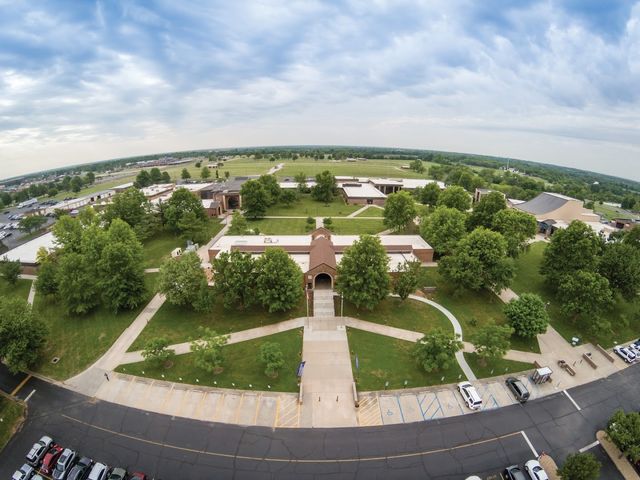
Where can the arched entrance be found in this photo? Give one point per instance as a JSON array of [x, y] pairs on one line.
[[323, 281]]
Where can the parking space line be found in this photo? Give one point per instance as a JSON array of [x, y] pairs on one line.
[[572, 400], [20, 385], [199, 407], [423, 411], [455, 397], [258, 404], [400, 408], [219, 402], [238, 408], [439, 408], [30, 395], [275, 422], [526, 439], [589, 447]]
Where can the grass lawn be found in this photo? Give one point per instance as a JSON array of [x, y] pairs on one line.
[[494, 368], [529, 280], [356, 226], [281, 226], [372, 212], [80, 340], [383, 359], [363, 168], [18, 290], [408, 315], [11, 413], [307, 206], [180, 324], [473, 309], [158, 248], [242, 366]]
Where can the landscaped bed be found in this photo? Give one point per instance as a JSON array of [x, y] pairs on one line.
[[383, 359], [180, 324], [78, 341], [242, 366], [529, 280], [11, 413]]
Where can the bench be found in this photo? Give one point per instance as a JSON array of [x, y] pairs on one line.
[[589, 360], [606, 354]]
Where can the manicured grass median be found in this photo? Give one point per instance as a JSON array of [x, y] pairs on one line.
[[408, 315], [306, 206], [80, 340], [180, 324], [494, 368], [280, 226], [242, 366], [371, 212], [11, 414], [20, 289], [529, 279], [356, 226], [384, 359]]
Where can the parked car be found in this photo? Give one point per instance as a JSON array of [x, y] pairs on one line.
[[518, 389], [25, 472], [37, 476], [64, 464], [470, 395], [625, 354], [634, 348], [80, 470], [50, 459], [139, 476], [38, 451], [98, 472], [535, 470], [117, 474], [514, 473]]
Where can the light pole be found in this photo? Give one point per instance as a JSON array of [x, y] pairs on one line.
[[306, 296], [342, 305]]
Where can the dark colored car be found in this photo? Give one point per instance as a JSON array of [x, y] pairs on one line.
[[80, 470], [514, 473], [50, 459], [117, 474], [64, 464], [39, 450], [518, 389]]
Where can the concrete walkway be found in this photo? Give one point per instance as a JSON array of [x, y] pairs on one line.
[[319, 222], [25, 276], [323, 304], [275, 169], [363, 209], [32, 293], [151, 270], [203, 251]]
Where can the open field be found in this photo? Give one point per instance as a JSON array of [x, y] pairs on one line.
[[493, 368], [383, 359], [19, 290], [242, 366], [362, 168], [408, 315], [11, 413], [305, 206], [356, 226], [280, 226], [158, 248], [80, 340], [180, 324], [529, 280], [609, 212]]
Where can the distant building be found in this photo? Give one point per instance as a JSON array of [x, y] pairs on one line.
[[482, 192], [27, 253]]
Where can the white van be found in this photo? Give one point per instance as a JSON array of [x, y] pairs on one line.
[[470, 395]]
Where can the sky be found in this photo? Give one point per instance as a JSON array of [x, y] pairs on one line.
[[549, 81]]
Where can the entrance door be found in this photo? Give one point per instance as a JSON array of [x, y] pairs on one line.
[[323, 281]]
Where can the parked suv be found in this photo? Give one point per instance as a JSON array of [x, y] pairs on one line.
[[535, 470], [98, 472], [514, 473], [625, 354], [518, 389], [470, 395], [64, 464], [38, 451], [24, 473]]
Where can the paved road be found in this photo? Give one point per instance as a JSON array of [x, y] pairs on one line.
[[174, 448]]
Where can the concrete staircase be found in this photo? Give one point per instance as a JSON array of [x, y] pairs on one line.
[[323, 305]]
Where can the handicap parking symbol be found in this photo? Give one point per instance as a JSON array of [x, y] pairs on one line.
[[389, 413]]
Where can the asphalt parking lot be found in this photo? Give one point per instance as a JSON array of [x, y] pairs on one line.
[[17, 236]]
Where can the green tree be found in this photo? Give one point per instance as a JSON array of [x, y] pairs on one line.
[[516, 227], [620, 264], [47, 283], [527, 315], [405, 282], [624, 430], [156, 175], [485, 210], [76, 184], [22, 334], [288, 197], [580, 466], [193, 228], [437, 350], [479, 261], [429, 194], [301, 180], [325, 187], [132, 207], [399, 210], [492, 341], [156, 351], [417, 166], [239, 225], [632, 237], [166, 178], [455, 197], [121, 268], [143, 179], [584, 292], [89, 178], [363, 277], [185, 175], [32, 222], [278, 281], [271, 188], [68, 233], [444, 229], [182, 280], [181, 202], [10, 270], [272, 357], [208, 352], [77, 283], [575, 248], [234, 277], [255, 199], [205, 172]]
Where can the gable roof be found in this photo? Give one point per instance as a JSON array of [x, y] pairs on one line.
[[544, 203], [322, 252]]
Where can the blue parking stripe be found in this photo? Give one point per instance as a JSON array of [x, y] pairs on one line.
[[428, 408], [400, 408], [439, 407]]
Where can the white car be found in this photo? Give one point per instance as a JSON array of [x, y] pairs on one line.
[[24, 473], [625, 354], [535, 470], [470, 395]]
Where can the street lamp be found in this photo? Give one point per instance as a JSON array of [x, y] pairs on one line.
[[342, 305]]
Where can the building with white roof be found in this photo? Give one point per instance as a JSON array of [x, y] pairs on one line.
[[362, 193], [27, 253]]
